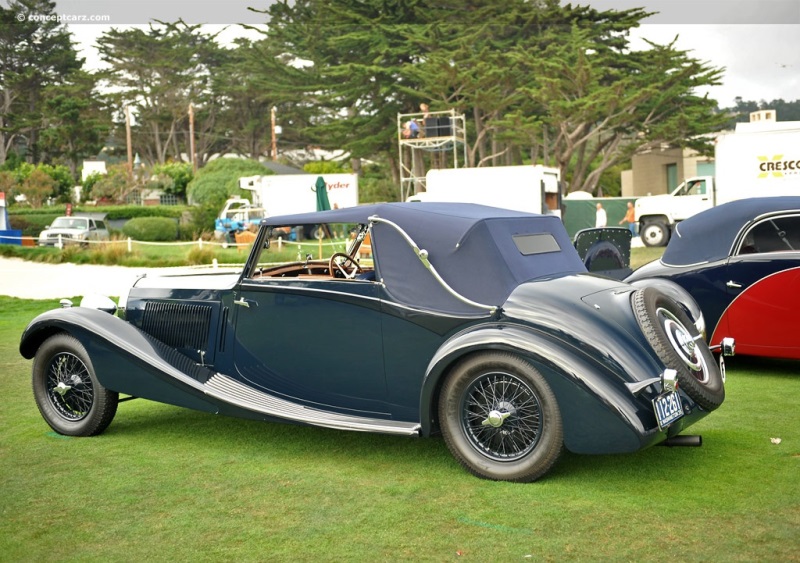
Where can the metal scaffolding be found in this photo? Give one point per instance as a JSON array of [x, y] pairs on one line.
[[437, 139]]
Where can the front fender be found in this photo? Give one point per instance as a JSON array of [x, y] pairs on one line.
[[125, 359], [599, 414]]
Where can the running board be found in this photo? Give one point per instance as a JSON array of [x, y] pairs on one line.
[[229, 390]]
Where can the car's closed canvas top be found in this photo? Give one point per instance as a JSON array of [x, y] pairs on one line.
[[710, 235], [483, 253]]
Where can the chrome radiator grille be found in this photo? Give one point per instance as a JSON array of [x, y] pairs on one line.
[[179, 325]]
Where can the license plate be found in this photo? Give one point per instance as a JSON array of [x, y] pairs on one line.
[[668, 408]]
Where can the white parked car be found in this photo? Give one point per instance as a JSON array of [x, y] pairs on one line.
[[73, 230]]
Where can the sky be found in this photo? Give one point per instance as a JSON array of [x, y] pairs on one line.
[[757, 41]]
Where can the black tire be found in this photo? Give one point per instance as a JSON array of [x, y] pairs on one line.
[[500, 419], [680, 346], [655, 233], [66, 390]]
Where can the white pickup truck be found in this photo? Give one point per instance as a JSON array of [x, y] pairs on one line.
[[759, 159], [657, 215]]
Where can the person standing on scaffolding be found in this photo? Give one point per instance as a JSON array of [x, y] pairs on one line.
[[411, 129]]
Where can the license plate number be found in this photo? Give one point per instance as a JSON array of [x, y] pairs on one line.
[[668, 408]]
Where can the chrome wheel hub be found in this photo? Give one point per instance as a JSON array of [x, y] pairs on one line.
[[495, 419], [62, 388], [684, 344]]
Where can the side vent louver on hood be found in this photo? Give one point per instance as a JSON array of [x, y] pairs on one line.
[[178, 325]]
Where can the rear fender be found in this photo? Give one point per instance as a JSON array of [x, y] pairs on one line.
[[600, 415]]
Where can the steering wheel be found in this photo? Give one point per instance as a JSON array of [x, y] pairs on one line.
[[334, 265]]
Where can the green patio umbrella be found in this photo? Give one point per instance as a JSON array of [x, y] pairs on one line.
[[323, 203]]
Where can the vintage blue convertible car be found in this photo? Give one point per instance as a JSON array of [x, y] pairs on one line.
[[477, 323], [741, 263]]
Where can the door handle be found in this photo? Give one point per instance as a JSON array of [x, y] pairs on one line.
[[733, 285], [245, 302]]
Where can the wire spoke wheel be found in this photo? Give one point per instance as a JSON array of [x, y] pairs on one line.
[[69, 396], [501, 416], [500, 419], [69, 387]]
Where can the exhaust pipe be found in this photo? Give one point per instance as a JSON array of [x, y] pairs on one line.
[[683, 441]]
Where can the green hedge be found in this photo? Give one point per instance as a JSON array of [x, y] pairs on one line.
[[33, 221], [114, 213], [31, 224], [152, 229]]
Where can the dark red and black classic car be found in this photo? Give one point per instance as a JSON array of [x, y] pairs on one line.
[[741, 263]]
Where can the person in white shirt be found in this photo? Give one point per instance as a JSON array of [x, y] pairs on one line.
[[601, 220]]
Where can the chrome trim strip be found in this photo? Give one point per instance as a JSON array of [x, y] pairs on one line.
[[229, 390], [160, 364]]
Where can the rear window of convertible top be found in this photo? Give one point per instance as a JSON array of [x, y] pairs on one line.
[[536, 244]]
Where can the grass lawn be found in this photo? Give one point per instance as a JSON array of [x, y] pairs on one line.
[[165, 483], [642, 255]]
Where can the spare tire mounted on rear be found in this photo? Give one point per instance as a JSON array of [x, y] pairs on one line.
[[680, 346]]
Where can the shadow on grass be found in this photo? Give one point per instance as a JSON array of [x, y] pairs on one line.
[[155, 423], [162, 426], [769, 366]]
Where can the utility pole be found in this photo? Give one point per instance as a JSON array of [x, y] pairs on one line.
[[128, 138], [274, 151], [191, 138]]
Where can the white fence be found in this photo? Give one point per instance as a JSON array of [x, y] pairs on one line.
[[336, 245]]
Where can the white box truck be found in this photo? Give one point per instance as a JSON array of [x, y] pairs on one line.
[[285, 194], [757, 160], [529, 188]]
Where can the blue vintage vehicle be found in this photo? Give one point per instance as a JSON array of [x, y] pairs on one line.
[[477, 323], [741, 263]]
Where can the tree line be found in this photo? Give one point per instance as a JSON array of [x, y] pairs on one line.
[[537, 82]]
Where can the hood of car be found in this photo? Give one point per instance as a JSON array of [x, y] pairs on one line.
[[188, 279], [64, 231]]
